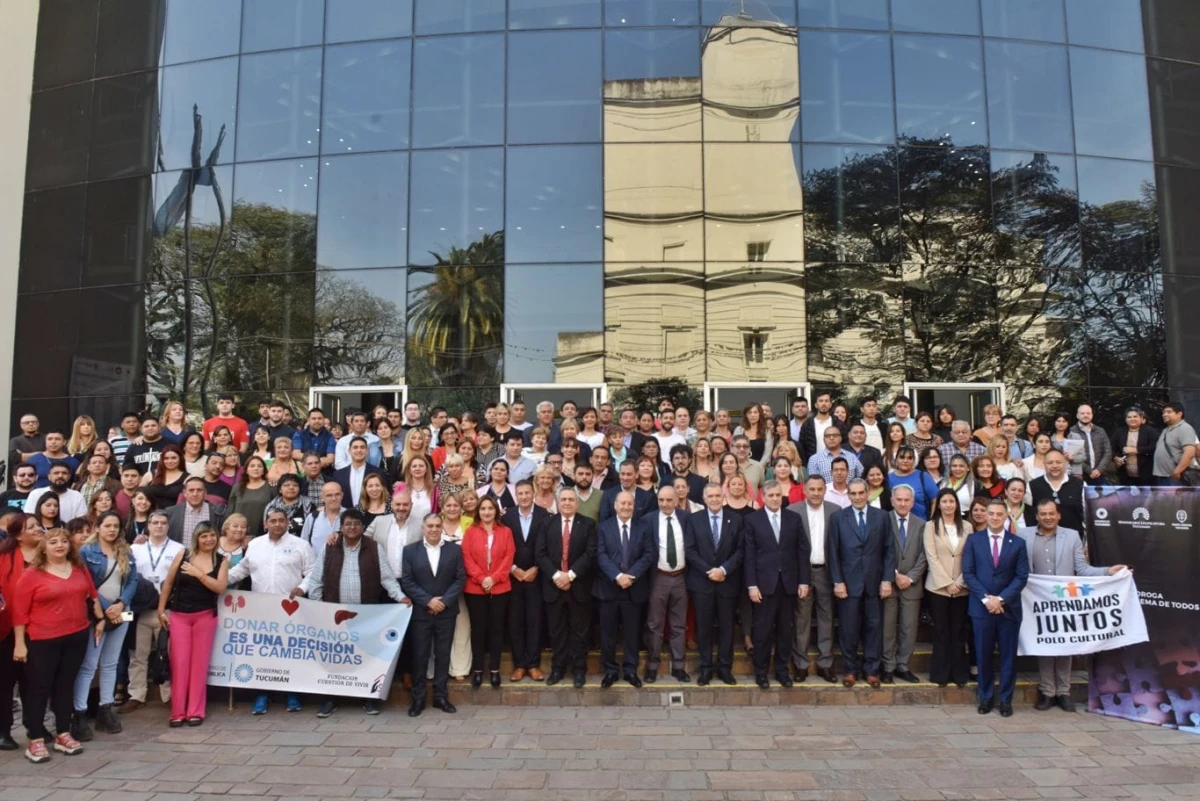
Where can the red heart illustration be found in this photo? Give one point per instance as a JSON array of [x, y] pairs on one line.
[[289, 606], [343, 614]]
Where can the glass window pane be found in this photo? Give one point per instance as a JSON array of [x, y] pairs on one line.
[[1173, 30], [644, 55], [183, 244], [1029, 98], [651, 12], [1036, 207], [117, 233], [1179, 208], [951, 322], [854, 326], [211, 88], [1175, 99], [458, 96], [123, 121], [554, 343], [195, 31], [274, 217], [1105, 23], [366, 97], [846, 87], [1112, 111], [278, 24], [1119, 209], [128, 37], [949, 185], [936, 16], [455, 326], [939, 89], [51, 239], [1025, 19], [653, 203], [357, 20], [45, 371], [65, 51], [264, 330], [279, 105], [851, 204], [457, 207], [526, 14], [751, 85], [459, 16], [59, 128], [754, 324], [359, 327], [554, 105], [364, 211], [654, 322], [869, 14], [652, 85], [553, 210], [747, 12], [753, 204]]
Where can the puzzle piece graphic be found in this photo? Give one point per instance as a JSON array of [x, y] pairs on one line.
[[1180, 656], [1124, 705], [1185, 705], [1141, 669], [1108, 678]]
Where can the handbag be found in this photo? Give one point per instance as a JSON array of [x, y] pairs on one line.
[[158, 668], [145, 597]]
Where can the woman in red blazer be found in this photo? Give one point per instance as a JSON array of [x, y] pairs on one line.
[[488, 552]]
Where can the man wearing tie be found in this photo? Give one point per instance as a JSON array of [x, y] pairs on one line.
[[668, 596], [902, 611], [862, 562], [995, 568], [778, 573], [818, 517], [625, 555], [525, 609], [565, 550], [712, 541]]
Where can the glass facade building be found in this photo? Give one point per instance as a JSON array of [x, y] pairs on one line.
[[451, 196]]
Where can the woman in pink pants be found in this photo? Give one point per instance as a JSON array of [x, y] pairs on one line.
[[195, 581]]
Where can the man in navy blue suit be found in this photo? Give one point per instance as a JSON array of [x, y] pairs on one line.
[[995, 567], [625, 554], [862, 563], [778, 573], [712, 541], [352, 476]]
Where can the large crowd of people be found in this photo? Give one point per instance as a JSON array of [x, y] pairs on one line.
[[649, 528]]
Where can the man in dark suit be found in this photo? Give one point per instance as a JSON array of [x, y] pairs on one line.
[[432, 574], [818, 522], [778, 573], [995, 568], [352, 476], [812, 433], [566, 559], [625, 556], [643, 502], [712, 541], [902, 611], [525, 607], [862, 563], [200, 509]]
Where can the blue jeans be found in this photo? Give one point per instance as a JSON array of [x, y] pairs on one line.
[[104, 656]]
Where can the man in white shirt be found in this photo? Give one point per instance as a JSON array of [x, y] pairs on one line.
[[668, 593], [275, 564], [396, 531], [70, 502], [668, 437], [838, 491], [153, 559], [323, 522], [816, 514], [516, 416], [519, 467]]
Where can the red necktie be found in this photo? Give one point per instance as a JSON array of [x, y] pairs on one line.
[[995, 551], [566, 543]]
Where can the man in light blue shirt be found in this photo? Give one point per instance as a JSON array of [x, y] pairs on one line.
[[358, 428]]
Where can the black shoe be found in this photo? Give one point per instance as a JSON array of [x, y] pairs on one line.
[[763, 684], [495, 680], [1005, 709], [801, 675], [886, 677], [555, 677], [907, 675], [784, 679], [973, 678], [444, 705], [1065, 703], [372, 706], [416, 709], [580, 680], [477, 680], [985, 707], [633, 680], [681, 675], [727, 677], [106, 720], [828, 675], [704, 678], [326, 708], [650, 676], [609, 680], [1043, 702], [8, 743]]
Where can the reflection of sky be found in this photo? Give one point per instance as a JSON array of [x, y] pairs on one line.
[[554, 204], [651, 53], [279, 104], [1105, 23], [557, 105], [290, 185], [459, 16], [936, 16], [846, 93], [1112, 109], [1103, 181], [540, 301], [458, 96], [651, 12], [939, 89], [201, 30], [364, 211], [366, 96], [1025, 19], [276, 24], [457, 196], [525, 14], [868, 14], [353, 20], [1029, 101], [211, 86]]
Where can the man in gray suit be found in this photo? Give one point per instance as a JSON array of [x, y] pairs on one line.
[[1055, 551], [902, 611], [817, 515]]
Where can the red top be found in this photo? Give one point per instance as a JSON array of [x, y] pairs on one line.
[[236, 425], [49, 606], [475, 558], [12, 565], [795, 495]]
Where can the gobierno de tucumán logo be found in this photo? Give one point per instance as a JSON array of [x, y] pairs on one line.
[[243, 673]]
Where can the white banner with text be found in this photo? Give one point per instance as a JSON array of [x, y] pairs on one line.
[[1074, 615]]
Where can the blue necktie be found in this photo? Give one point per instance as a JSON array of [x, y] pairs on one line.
[[862, 525], [903, 534], [716, 528]]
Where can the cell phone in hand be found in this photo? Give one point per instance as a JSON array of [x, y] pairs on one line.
[[127, 617]]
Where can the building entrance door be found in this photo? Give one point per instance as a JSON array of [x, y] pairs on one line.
[[967, 400], [337, 401], [533, 394], [734, 397]]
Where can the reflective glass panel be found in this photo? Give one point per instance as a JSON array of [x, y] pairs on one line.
[[935, 16], [1105, 23], [51, 239], [1175, 100], [1025, 19], [359, 327], [652, 85], [366, 97], [751, 84], [651, 12], [1119, 209], [1172, 29], [117, 233], [526, 14], [951, 322], [1029, 97], [1040, 332], [364, 211], [633, 55], [754, 316], [753, 206], [112, 318], [945, 205], [455, 326], [846, 87], [557, 105], [939, 89], [59, 131], [854, 325], [457, 211], [45, 371], [458, 96], [279, 105], [128, 37], [554, 204], [1126, 332], [747, 12], [851, 204], [653, 203], [869, 14], [1183, 325], [210, 87], [559, 342], [274, 217], [65, 51], [278, 24], [183, 245], [1036, 208], [196, 31], [1179, 208], [356, 20], [1112, 111], [123, 122], [459, 16], [654, 322], [265, 332]]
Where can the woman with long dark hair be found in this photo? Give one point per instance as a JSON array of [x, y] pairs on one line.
[[140, 507], [252, 494], [166, 483], [46, 510], [945, 535], [17, 552], [194, 459], [488, 552], [755, 429]]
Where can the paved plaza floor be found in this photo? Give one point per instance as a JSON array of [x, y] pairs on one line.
[[619, 753]]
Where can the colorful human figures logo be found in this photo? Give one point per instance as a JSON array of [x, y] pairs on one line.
[[1072, 590]]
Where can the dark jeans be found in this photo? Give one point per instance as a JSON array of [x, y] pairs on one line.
[[52, 667], [488, 613], [12, 674], [525, 623], [950, 661]]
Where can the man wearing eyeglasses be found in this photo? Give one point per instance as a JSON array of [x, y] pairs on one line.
[[752, 470], [1062, 488]]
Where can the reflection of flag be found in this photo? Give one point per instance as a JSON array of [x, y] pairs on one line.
[[173, 208]]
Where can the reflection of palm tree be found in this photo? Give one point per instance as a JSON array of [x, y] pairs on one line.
[[457, 320]]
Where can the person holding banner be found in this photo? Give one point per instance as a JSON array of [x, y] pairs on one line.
[[1056, 551], [350, 572]]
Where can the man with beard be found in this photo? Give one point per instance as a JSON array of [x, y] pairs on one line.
[[55, 453], [24, 478], [70, 502], [144, 455]]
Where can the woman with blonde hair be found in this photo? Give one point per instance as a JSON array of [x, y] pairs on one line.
[[454, 477], [373, 499], [173, 422], [285, 463], [544, 489], [416, 443], [991, 425], [83, 436], [999, 448]]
